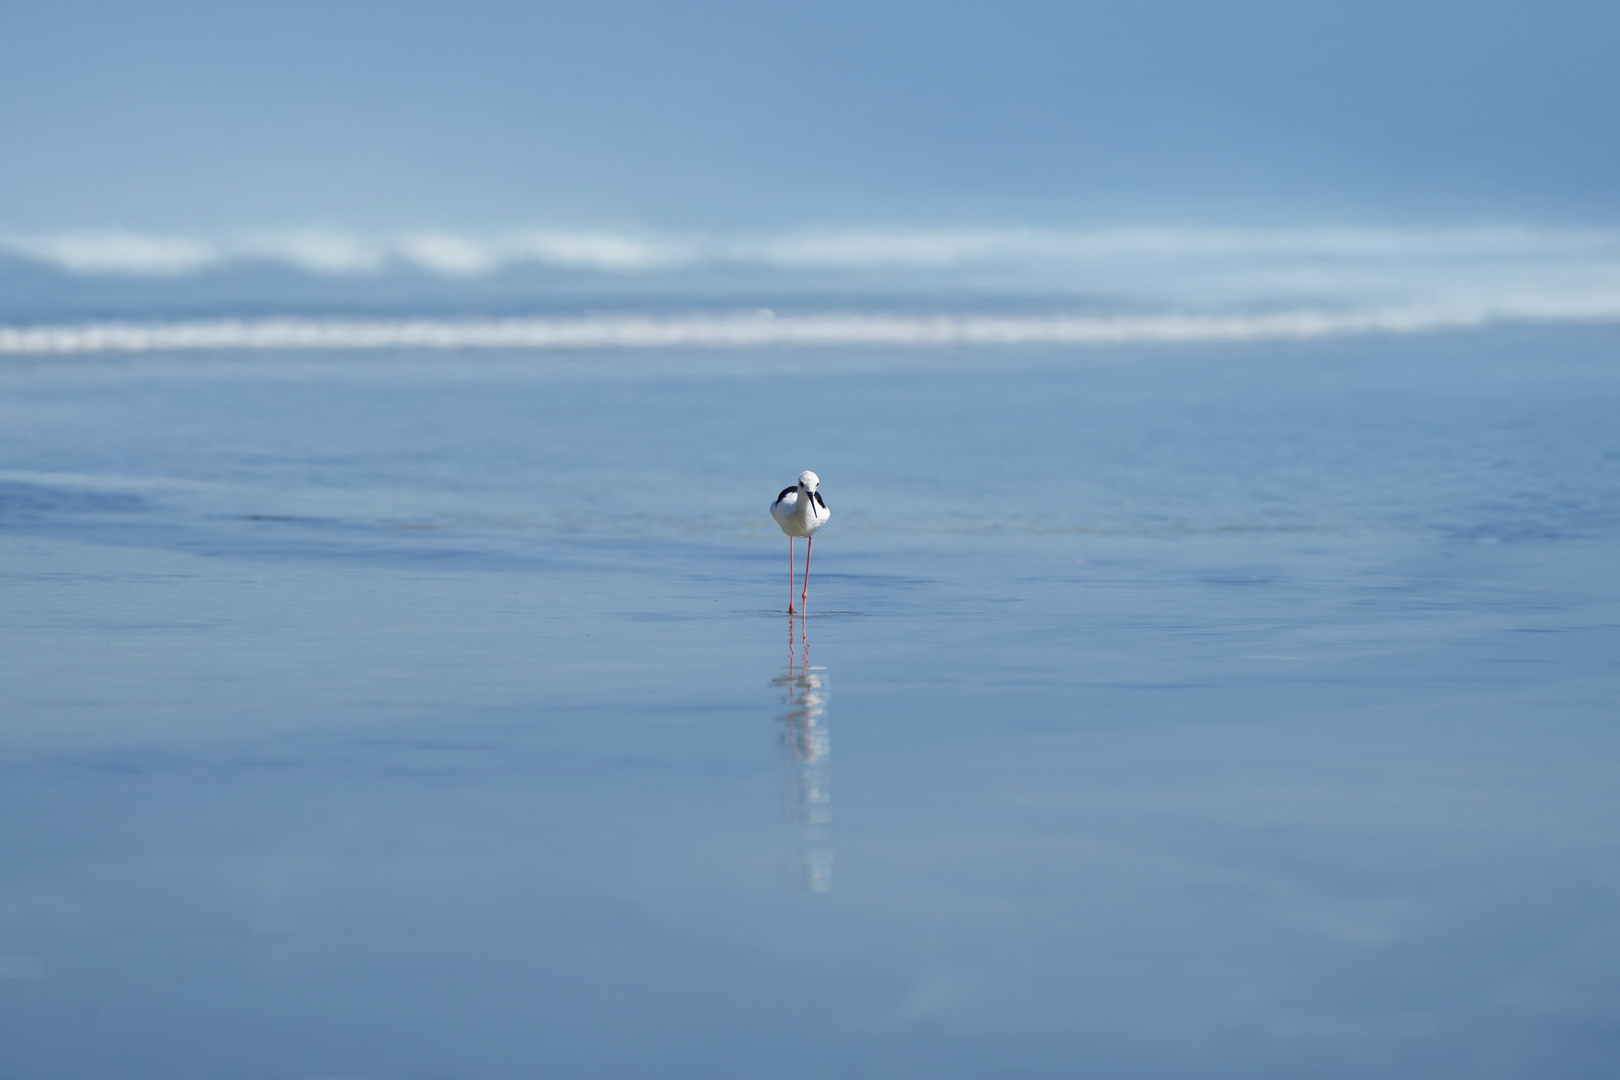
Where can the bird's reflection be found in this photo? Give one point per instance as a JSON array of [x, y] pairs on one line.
[[807, 787]]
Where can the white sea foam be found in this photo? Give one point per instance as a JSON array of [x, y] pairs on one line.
[[324, 252], [762, 329], [1150, 284], [115, 253], [118, 252], [311, 251]]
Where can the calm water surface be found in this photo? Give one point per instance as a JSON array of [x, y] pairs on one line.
[[1223, 712]]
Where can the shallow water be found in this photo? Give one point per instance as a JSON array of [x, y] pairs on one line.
[[1220, 712]]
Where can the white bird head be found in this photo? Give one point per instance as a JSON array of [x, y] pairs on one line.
[[809, 480]]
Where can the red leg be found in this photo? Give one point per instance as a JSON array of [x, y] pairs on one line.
[[805, 598], [790, 575]]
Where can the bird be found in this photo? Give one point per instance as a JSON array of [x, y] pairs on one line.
[[800, 511]]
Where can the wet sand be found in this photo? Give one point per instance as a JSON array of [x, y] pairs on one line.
[[1230, 712]]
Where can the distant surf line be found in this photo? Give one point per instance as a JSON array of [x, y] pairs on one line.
[[763, 329], [1039, 251]]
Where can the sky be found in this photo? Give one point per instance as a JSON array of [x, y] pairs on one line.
[[678, 115]]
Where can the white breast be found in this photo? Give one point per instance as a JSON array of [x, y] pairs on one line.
[[799, 514]]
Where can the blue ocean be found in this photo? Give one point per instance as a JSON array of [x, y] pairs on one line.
[[1210, 667]]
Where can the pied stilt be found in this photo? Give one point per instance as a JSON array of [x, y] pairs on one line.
[[800, 511]]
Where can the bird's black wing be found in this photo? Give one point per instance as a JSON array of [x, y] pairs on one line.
[[785, 493], [816, 495]]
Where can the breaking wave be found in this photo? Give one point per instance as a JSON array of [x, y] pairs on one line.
[[765, 329], [461, 254], [1072, 287]]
